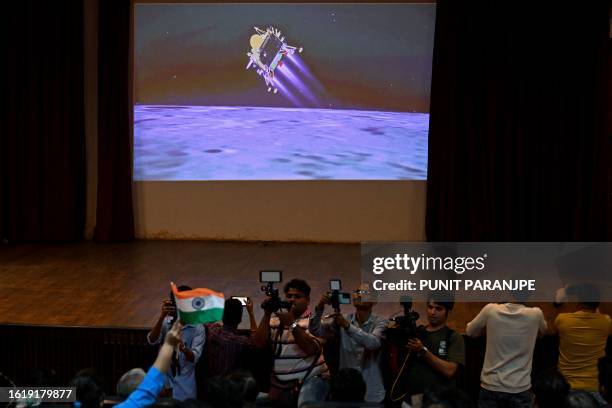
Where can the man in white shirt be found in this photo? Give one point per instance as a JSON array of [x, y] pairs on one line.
[[511, 330]]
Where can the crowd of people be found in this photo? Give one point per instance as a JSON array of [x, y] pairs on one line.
[[281, 361]]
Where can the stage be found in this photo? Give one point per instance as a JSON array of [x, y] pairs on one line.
[[122, 285]]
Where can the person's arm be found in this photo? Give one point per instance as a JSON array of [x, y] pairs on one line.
[[249, 308], [307, 342], [146, 393], [476, 327], [371, 341], [193, 353], [172, 339], [316, 326], [154, 336], [542, 326], [447, 368], [189, 354], [456, 355]]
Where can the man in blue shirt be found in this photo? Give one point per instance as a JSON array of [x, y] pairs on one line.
[[360, 336], [181, 378]]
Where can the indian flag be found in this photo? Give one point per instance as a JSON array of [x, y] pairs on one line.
[[198, 305]]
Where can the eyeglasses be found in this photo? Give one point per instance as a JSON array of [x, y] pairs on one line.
[[361, 292]]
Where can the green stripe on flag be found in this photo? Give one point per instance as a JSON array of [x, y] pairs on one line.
[[201, 316]]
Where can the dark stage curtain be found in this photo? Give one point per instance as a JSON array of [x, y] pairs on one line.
[[42, 138], [115, 215], [519, 146]]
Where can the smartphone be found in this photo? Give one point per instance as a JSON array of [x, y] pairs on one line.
[[242, 299], [344, 298]]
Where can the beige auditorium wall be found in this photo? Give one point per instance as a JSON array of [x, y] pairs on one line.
[[311, 211], [306, 211]]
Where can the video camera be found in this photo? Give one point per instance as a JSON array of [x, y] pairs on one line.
[[274, 303], [405, 326], [338, 298]]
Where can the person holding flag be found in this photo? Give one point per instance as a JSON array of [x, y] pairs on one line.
[[195, 308]]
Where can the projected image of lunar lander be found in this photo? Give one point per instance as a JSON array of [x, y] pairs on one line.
[[268, 49]]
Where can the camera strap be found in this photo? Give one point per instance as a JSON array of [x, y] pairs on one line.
[[279, 348], [277, 341], [299, 382]]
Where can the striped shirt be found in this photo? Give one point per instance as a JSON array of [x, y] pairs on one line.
[[290, 361]]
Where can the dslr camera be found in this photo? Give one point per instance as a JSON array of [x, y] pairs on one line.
[[274, 303], [406, 325], [338, 298]]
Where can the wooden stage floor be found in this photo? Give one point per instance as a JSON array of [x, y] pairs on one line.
[[122, 285]]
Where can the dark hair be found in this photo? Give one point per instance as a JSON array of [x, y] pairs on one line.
[[232, 312], [89, 388], [347, 386], [298, 284], [550, 389], [181, 288], [40, 377], [586, 294], [604, 365], [446, 397], [237, 389], [443, 298], [590, 305], [242, 382], [191, 403], [215, 392], [581, 399], [521, 296]]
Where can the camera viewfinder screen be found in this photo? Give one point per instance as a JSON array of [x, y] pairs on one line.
[[270, 276]]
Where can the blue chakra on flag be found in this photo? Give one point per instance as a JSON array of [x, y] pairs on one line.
[[197, 303]]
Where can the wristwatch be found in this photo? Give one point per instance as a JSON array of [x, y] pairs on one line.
[[293, 325], [423, 351]]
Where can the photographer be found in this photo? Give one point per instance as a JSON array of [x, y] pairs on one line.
[[434, 355], [360, 336], [299, 373]]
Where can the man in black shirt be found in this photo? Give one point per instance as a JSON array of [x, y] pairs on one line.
[[435, 356]]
